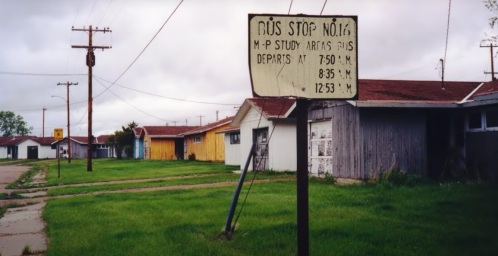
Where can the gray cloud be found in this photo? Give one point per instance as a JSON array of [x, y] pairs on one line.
[[201, 54]]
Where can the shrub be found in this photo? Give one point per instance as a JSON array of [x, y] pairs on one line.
[[128, 149], [191, 157], [398, 177]]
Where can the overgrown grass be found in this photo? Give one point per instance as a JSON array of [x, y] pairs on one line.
[[189, 180], [447, 219], [110, 169], [25, 178]]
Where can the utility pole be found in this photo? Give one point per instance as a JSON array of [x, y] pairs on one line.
[[43, 123], [217, 112], [200, 120], [67, 84], [90, 62], [492, 61]]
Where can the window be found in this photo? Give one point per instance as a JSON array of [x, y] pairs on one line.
[[475, 120], [492, 118], [234, 138], [197, 139]]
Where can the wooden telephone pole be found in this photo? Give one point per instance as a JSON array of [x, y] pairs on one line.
[[67, 84], [492, 61], [90, 62], [43, 123]]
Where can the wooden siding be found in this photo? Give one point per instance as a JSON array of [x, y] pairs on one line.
[[77, 150], [482, 154], [345, 140], [211, 148], [162, 149], [366, 141], [392, 135]]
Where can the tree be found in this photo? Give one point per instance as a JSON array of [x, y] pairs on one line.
[[12, 125], [492, 5], [122, 140]]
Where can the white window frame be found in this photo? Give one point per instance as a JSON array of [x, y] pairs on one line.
[[197, 139]]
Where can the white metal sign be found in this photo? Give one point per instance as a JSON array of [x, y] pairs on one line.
[[304, 56]]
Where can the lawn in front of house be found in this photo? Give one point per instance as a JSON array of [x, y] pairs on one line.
[[184, 180], [110, 169], [447, 219]]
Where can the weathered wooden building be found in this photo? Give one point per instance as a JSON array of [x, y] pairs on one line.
[[205, 143], [79, 147], [163, 142], [417, 125], [268, 123], [231, 139]]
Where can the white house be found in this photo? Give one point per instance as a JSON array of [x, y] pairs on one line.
[[231, 138], [36, 148], [26, 147], [270, 124]]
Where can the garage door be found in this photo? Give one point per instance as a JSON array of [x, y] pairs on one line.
[[320, 148], [32, 152]]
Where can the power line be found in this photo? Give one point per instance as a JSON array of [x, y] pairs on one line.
[[143, 49], [36, 74], [290, 6], [323, 7], [91, 11], [107, 88], [161, 96], [107, 9], [116, 15]]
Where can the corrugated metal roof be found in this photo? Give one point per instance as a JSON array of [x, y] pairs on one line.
[[167, 131], [210, 126], [414, 91]]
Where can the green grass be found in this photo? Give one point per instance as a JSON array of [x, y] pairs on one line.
[[26, 177], [110, 169], [189, 180], [448, 219]]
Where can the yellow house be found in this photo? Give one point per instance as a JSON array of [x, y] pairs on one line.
[[163, 142], [205, 143]]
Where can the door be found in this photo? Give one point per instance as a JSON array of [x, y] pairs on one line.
[[320, 148], [32, 152], [260, 159]]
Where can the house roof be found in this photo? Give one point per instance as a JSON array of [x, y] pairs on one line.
[[166, 131], [43, 140], [84, 139], [273, 108], [412, 93], [12, 141], [101, 139], [229, 130], [210, 126], [270, 108], [137, 131], [409, 90], [487, 88]]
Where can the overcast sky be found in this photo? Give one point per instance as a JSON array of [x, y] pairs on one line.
[[201, 54]]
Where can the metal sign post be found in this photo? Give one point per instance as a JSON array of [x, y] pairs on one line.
[[307, 57], [58, 136]]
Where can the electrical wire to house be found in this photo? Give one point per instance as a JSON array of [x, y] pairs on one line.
[[107, 89], [145, 48], [323, 7], [161, 96]]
